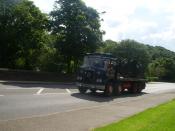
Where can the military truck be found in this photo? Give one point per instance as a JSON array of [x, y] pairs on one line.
[[109, 74]]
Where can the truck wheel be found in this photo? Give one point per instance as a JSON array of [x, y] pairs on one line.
[[109, 90], [143, 85], [140, 87], [139, 90], [118, 89], [93, 90], [82, 90], [134, 90]]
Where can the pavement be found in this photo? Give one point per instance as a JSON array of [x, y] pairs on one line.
[[59, 106]]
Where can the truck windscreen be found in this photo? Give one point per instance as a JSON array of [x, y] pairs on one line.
[[94, 61]]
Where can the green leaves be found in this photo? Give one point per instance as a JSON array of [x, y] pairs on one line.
[[163, 68], [156, 62], [77, 28], [23, 34], [74, 29], [128, 51]]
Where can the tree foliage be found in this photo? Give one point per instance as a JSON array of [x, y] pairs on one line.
[[77, 28], [107, 46], [129, 51], [23, 35], [158, 62], [74, 29], [163, 68], [133, 53]]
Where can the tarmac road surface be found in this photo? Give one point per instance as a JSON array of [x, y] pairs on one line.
[[59, 107]]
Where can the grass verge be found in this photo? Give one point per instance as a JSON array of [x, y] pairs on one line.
[[160, 118]]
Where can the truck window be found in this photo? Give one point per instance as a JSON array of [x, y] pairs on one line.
[[94, 61]]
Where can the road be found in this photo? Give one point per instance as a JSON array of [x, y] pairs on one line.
[[63, 104]]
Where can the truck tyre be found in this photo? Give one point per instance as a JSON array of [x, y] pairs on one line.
[[118, 89], [109, 90], [82, 90], [140, 87], [143, 85], [134, 90], [139, 90], [93, 90]]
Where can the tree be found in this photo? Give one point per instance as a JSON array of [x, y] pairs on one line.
[[108, 46], [159, 52], [23, 35], [163, 68], [77, 28], [134, 53]]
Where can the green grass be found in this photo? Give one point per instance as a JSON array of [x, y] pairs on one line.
[[160, 118]]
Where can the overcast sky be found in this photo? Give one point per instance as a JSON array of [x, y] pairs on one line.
[[148, 21]]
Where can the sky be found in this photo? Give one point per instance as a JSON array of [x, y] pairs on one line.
[[147, 21]]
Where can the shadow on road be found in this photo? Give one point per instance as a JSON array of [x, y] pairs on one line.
[[100, 97], [39, 85]]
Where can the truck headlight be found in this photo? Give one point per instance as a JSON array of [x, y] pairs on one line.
[[79, 78], [99, 80], [99, 73]]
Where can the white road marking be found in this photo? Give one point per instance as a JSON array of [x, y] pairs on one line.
[[1, 95], [68, 91], [40, 90], [61, 93], [52, 94]]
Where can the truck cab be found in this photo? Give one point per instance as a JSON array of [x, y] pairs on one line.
[[95, 72]]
